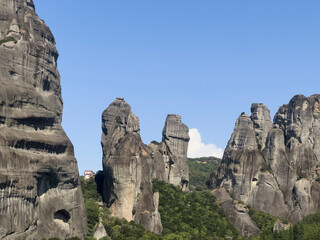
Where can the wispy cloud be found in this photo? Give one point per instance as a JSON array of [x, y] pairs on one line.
[[199, 149]]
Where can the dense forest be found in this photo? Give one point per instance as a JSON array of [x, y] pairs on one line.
[[184, 215], [200, 169], [190, 215]]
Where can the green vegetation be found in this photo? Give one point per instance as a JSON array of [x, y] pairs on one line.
[[307, 229], [302, 175], [54, 238], [258, 143], [188, 216], [264, 221], [89, 189], [192, 215], [117, 229], [200, 170], [8, 39], [266, 167], [184, 216]]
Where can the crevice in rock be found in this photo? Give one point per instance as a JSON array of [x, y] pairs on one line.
[[40, 147], [46, 181], [46, 85], [270, 185], [38, 123]]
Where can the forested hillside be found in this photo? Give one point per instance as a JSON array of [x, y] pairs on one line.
[[184, 216], [200, 169], [190, 215]]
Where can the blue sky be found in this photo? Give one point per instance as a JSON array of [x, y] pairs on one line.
[[205, 60]]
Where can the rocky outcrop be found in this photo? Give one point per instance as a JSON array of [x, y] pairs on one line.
[[280, 226], [170, 156], [100, 232], [129, 165], [275, 167], [40, 193], [236, 212]]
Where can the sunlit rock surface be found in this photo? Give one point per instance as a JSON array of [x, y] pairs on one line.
[[129, 165], [275, 168], [40, 195]]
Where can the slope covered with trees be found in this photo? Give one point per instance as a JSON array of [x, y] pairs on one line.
[[184, 215], [189, 215], [200, 169]]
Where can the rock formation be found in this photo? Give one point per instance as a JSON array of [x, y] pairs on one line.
[[129, 165], [39, 182], [275, 167], [126, 165], [236, 212], [170, 156], [100, 232]]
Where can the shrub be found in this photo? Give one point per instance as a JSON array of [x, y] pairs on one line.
[[8, 39], [302, 175], [266, 167]]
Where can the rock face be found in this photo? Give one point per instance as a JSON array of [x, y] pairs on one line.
[[129, 165], [100, 231], [170, 156], [39, 182], [275, 167], [236, 213]]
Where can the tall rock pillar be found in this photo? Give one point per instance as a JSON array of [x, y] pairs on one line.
[[40, 193], [175, 136], [127, 168]]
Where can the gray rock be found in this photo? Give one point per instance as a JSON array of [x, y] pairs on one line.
[[241, 162], [40, 190], [236, 212], [170, 156], [277, 174], [260, 116], [100, 232], [280, 226], [127, 167]]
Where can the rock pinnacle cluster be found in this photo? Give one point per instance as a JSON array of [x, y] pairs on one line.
[[129, 165], [275, 166]]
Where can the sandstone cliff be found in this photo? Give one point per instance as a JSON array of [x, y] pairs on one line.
[[39, 182], [129, 165], [275, 167]]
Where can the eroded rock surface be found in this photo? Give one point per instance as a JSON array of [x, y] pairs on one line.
[[236, 212], [129, 165], [100, 232], [170, 156], [39, 182], [275, 167]]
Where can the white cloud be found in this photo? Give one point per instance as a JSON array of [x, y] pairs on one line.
[[198, 149]]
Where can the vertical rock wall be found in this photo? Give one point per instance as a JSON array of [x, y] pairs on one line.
[[170, 156], [40, 195], [275, 167], [127, 168], [129, 165]]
